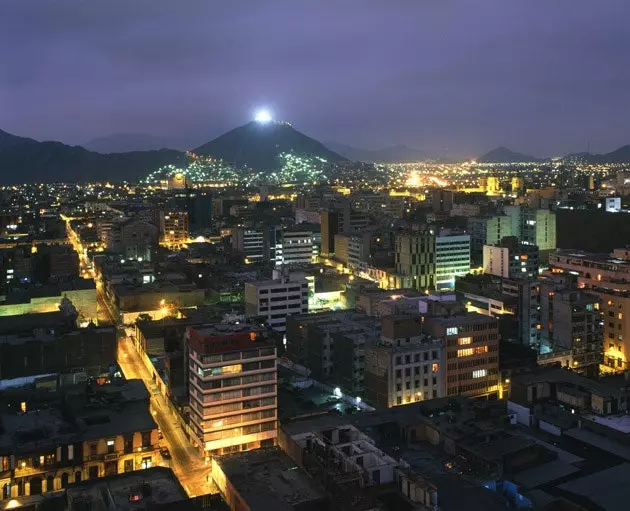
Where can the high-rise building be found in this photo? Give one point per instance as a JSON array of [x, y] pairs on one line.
[[510, 259], [570, 322], [330, 227], [534, 227], [276, 299], [527, 294], [472, 348], [232, 388], [295, 247], [173, 227], [406, 366], [615, 308], [415, 257], [452, 258], [250, 243], [488, 231]]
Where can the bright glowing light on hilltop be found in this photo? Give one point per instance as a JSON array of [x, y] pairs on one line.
[[263, 116]]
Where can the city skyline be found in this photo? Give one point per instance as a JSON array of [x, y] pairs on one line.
[[533, 77]]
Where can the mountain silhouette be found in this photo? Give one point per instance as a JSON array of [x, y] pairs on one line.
[[24, 160], [505, 155], [256, 145]]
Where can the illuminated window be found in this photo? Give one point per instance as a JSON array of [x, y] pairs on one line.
[[464, 340], [451, 330], [480, 349], [465, 352], [434, 368], [620, 315], [480, 373]]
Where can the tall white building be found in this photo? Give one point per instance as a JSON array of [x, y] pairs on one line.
[[276, 299], [452, 258]]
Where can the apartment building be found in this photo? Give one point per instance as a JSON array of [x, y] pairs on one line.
[[534, 227], [615, 309], [405, 366], [276, 299], [488, 231], [472, 348], [594, 270], [174, 227], [510, 259], [332, 345], [232, 388]]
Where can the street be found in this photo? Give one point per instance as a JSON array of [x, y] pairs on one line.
[[186, 462]]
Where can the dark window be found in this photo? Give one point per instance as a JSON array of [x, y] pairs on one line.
[[93, 472]]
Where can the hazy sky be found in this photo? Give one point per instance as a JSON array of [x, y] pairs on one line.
[[453, 77]]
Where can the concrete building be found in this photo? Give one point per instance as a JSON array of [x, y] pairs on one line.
[[232, 388], [276, 299], [405, 366], [472, 345], [615, 308], [332, 345], [344, 220], [452, 258], [510, 259], [488, 231], [415, 257], [250, 243], [534, 227], [330, 226], [62, 438], [131, 237], [528, 309], [570, 321], [266, 479], [174, 228], [594, 270], [353, 469], [353, 249], [295, 247], [152, 488]]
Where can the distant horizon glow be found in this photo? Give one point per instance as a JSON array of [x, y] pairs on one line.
[[263, 116]]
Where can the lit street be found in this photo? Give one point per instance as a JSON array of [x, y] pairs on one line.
[[186, 460]]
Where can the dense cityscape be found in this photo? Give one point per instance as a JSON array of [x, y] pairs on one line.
[[270, 322]]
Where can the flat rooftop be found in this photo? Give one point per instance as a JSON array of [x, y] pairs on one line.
[[268, 480], [136, 490], [606, 489]]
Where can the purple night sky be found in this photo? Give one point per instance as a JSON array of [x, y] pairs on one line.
[[452, 77]]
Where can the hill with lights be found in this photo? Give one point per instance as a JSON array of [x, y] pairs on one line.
[[263, 146]]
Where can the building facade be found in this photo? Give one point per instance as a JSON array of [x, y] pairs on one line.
[[405, 366], [415, 257], [452, 258], [276, 299], [472, 348], [232, 388]]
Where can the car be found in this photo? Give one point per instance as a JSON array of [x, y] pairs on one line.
[[160, 434], [165, 453]]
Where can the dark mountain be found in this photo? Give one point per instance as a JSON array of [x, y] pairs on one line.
[[621, 155], [129, 142], [257, 145], [394, 154], [505, 155], [23, 160]]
